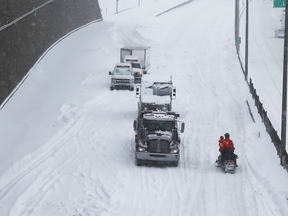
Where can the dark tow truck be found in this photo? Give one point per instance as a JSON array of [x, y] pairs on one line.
[[157, 137]]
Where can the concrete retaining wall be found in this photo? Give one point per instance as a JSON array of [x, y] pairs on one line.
[[29, 27]]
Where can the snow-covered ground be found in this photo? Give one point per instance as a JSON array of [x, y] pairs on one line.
[[67, 141], [265, 55]]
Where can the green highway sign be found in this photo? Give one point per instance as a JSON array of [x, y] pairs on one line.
[[279, 3]]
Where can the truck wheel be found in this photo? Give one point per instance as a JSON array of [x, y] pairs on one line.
[[139, 111], [175, 163], [111, 88], [132, 89], [138, 162]]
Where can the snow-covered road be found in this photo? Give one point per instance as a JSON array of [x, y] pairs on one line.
[[68, 141]]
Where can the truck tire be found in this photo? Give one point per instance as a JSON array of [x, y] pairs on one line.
[[139, 109], [111, 88], [138, 162], [175, 163]]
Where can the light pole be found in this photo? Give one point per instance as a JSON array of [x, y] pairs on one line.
[[284, 92], [237, 25], [117, 6], [246, 40]]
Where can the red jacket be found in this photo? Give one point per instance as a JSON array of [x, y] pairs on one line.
[[221, 144], [228, 143]]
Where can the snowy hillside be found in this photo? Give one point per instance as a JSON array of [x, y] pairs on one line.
[[67, 141]]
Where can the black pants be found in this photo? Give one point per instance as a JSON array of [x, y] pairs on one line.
[[228, 156]]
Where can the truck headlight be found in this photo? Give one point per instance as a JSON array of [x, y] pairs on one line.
[[175, 151], [140, 73], [141, 149]]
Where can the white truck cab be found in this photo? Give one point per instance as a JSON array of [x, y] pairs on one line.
[[122, 76], [135, 63]]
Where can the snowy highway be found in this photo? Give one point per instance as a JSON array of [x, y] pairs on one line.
[[68, 142]]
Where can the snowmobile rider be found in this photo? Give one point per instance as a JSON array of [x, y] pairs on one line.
[[229, 150], [221, 144], [228, 142], [222, 148]]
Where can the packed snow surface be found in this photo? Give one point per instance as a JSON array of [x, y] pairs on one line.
[[67, 141]]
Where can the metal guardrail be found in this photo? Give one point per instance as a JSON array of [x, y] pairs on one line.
[[265, 119], [184, 3], [25, 15], [269, 127]]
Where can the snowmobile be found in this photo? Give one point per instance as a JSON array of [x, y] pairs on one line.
[[229, 164]]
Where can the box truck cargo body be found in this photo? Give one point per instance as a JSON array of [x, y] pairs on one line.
[[143, 53]]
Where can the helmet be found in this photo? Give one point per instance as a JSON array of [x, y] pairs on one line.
[[227, 135]]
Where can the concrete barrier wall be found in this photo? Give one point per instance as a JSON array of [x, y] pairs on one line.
[[29, 27]]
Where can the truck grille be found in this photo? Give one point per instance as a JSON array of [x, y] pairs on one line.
[[122, 80], [158, 146]]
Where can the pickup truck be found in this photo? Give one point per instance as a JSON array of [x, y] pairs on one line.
[[122, 76]]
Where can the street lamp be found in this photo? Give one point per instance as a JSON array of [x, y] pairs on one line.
[[246, 40], [284, 91]]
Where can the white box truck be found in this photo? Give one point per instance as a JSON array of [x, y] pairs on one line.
[[143, 53]]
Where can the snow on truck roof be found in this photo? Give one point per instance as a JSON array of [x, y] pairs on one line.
[[158, 116], [130, 57], [157, 78], [128, 65], [159, 82], [136, 47]]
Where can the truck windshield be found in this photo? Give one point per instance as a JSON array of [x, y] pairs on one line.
[[161, 89], [122, 71], [157, 125], [136, 65]]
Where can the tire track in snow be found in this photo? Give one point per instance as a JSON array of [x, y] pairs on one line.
[[16, 187]]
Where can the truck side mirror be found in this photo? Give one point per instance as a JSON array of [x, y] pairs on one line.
[[173, 93], [135, 125], [137, 91], [182, 127], [110, 73]]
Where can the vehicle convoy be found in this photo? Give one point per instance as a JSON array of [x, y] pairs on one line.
[[122, 76], [155, 93], [143, 53], [134, 61], [157, 137]]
